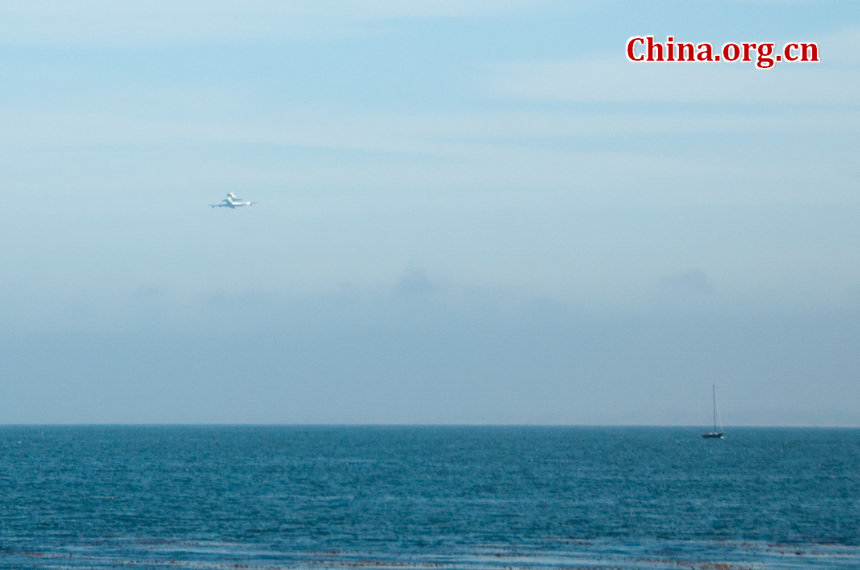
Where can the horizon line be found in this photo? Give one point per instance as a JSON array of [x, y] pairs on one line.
[[416, 425]]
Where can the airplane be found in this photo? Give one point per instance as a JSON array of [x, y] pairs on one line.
[[231, 201]]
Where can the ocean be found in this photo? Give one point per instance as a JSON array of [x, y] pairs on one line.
[[427, 497]]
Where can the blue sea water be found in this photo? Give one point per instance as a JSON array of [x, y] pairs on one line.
[[428, 497]]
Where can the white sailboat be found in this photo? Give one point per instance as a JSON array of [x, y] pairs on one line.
[[714, 434]]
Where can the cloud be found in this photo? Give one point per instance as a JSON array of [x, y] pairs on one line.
[[694, 282], [367, 356], [689, 290], [388, 9], [603, 156], [615, 80], [102, 22], [415, 282], [840, 47], [612, 78], [439, 133]]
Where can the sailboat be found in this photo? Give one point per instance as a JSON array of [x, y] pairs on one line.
[[714, 434]]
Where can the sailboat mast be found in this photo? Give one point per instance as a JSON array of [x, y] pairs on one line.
[[714, 399]]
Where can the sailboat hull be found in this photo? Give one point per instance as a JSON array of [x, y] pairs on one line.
[[713, 435]]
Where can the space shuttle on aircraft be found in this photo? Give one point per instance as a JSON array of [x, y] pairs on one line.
[[232, 201]]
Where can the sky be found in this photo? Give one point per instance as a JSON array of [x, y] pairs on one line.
[[470, 212]]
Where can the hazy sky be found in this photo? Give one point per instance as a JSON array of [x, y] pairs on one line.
[[469, 212]]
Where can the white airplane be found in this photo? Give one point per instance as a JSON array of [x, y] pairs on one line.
[[231, 201]]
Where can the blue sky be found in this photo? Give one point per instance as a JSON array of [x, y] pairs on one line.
[[469, 212]]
